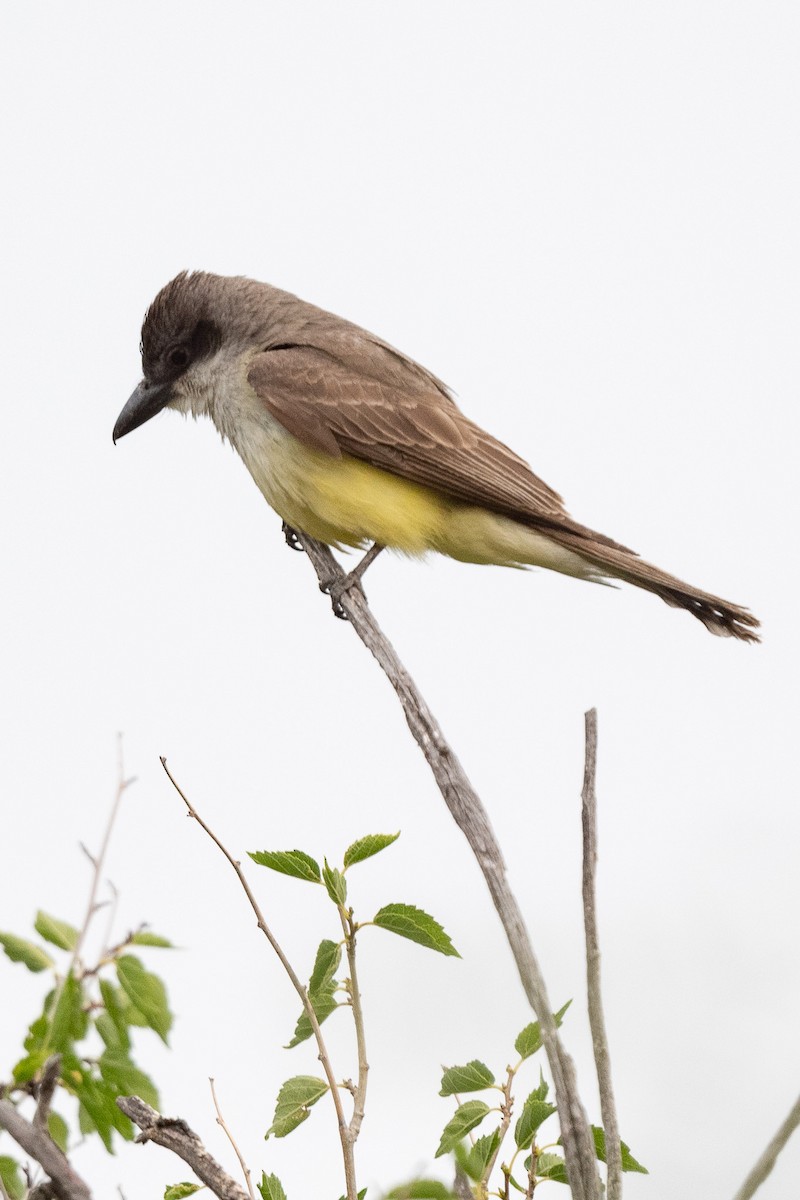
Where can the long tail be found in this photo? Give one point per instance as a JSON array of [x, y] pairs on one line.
[[610, 559]]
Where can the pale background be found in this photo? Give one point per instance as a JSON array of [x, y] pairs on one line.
[[582, 216]]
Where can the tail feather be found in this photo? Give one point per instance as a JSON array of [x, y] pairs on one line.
[[719, 616]]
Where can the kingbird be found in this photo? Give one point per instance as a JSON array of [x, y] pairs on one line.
[[352, 442]]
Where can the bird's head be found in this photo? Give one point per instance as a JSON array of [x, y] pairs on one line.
[[193, 321]]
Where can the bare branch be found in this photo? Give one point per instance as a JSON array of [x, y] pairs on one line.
[[472, 819], [47, 1087], [66, 1183], [768, 1159], [324, 1058], [175, 1135], [602, 1061], [97, 863], [229, 1136]]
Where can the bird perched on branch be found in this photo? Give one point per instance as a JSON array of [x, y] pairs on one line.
[[353, 443]]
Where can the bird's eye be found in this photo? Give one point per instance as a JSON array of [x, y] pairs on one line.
[[178, 357]]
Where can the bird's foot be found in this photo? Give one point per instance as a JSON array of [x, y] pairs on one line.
[[337, 586], [292, 537]]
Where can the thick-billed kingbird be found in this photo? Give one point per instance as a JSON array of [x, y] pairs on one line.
[[352, 442]]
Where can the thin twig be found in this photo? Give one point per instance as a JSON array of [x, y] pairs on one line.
[[97, 871], [67, 1183], [344, 1132], [768, 1159], [360, 1091], [506, 1109], [229, 1136], [98, 863], [597, 1023], [472, 819], [175, 1135]]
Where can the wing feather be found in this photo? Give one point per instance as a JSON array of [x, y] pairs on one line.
[[402, 424]]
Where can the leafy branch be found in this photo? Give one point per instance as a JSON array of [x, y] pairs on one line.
[[80, 1047], [300, 1093]]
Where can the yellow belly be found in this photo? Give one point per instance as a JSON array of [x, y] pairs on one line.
[[345, 502]]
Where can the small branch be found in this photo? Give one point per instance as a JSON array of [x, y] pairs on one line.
[[66, 1182], [175, 1135], [472, 819], [47, 1087], [602, 1061], [360, 1091], [768, 1159], [324, 1058], [112, 914], [506, 1109], [229, 1136], [98, 863]]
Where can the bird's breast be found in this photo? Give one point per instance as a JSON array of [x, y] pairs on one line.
[[341, 501]]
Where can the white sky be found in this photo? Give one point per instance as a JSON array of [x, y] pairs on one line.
[[582, 216]]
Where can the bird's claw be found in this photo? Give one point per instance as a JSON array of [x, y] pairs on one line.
[[336, 588], [292, 537]]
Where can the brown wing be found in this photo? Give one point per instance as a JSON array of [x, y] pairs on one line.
[[391, 414], [403, 424]]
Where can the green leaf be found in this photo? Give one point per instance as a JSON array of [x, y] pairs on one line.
[[365, 847], [629, 1163], [326, 964], [36, 1037], [58, 1129], [463, 1120], [36, 1045], [146, 992], [177, 1191], [360, 1195], [335, 884], [294, 1101], [534, 1113], [530, 1039], [474, 1160], [70, 1022], [474, 1076], [58, 932], [29, 1066], [125, 1079], [323, 1003], [85, 1122], [550, 1166], [321, 990], [289, 862], [410, 922], [109, 1032], [271, 1188], [143, 938], [99, 1103], [421, 1189], [11, 1175], [27, 953], [116, 1003], [134, 1017]]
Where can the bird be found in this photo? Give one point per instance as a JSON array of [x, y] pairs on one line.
[[355, 444]]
